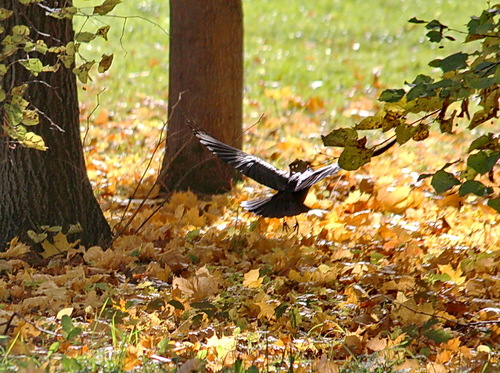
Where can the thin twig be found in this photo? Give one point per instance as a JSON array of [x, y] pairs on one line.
[[157, 146]]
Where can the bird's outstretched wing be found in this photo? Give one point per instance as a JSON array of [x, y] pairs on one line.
[[253, 167], [310, 177]]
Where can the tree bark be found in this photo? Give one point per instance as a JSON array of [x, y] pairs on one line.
[[47, 188], [206, 87]]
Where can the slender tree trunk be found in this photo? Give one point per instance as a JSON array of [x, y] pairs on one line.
[[50, 187], [206, 87]]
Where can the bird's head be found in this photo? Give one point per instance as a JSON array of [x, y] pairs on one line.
[[299, 166]]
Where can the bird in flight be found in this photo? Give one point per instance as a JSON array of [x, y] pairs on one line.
[[292, 186]]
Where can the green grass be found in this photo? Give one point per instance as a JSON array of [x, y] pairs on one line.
[[324, 49]]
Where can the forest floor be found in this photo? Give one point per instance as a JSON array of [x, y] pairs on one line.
[[383, 274]]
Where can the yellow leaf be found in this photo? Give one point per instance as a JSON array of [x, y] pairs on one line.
[[193, 217], [32, 140], [453, 344], [455, 275], [443, 356], [395, 199], [60, 245], [412, 313], [64, 312], [266, 310], [252, 279], [263, 301], [222, 345]]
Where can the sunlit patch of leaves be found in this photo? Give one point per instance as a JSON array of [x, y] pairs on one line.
[[385, 279]]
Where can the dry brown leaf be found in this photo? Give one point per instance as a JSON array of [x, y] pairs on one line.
[[198, 287], [377, 344], [16, 250]]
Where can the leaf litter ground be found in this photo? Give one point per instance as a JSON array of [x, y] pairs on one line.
[[382, 274]]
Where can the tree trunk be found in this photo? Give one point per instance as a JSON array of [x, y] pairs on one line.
[[49, 187], [206, 87]]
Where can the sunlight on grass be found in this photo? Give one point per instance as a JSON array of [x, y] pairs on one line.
[[327, 49]]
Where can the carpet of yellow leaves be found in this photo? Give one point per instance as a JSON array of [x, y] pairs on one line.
[[387, 270]]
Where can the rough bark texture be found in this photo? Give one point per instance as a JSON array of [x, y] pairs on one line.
[[206, 87], [47, 188]]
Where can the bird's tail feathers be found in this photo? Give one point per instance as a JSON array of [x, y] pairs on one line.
[[275, 207]]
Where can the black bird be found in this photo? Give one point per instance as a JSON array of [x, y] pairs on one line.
[[292, 186]]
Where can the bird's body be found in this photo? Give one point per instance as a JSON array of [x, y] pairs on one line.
[[292, 186]]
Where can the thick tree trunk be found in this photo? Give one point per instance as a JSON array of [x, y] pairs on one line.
[[206, 87], [50, 187]]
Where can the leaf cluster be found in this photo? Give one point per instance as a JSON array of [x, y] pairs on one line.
[[18, 46], [469, 81]]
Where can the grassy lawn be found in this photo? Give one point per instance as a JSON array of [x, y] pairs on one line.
[[385, 281], [325, 49]]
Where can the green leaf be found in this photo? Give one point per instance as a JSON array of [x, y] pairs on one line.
[[177, 305], [426, 104], [66, 323], [5, 13], [253, 369], [20, 30], [420, 90], [483, 142], [341, 137], [106, 7], [404, 132], [480, 83], [281, 309], [474, 187], [34, 65], [36, 237], [85, 37], [105, 63], [82, 71], [370, 123], [415, 20], [14, 114], [74, 333], [435, 36], [482, 161], [392, 95], [438, 335], [443, 181], [494, 203], [455, 61], [354, 157], [435, 24], [421, 78], [19, 101]]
